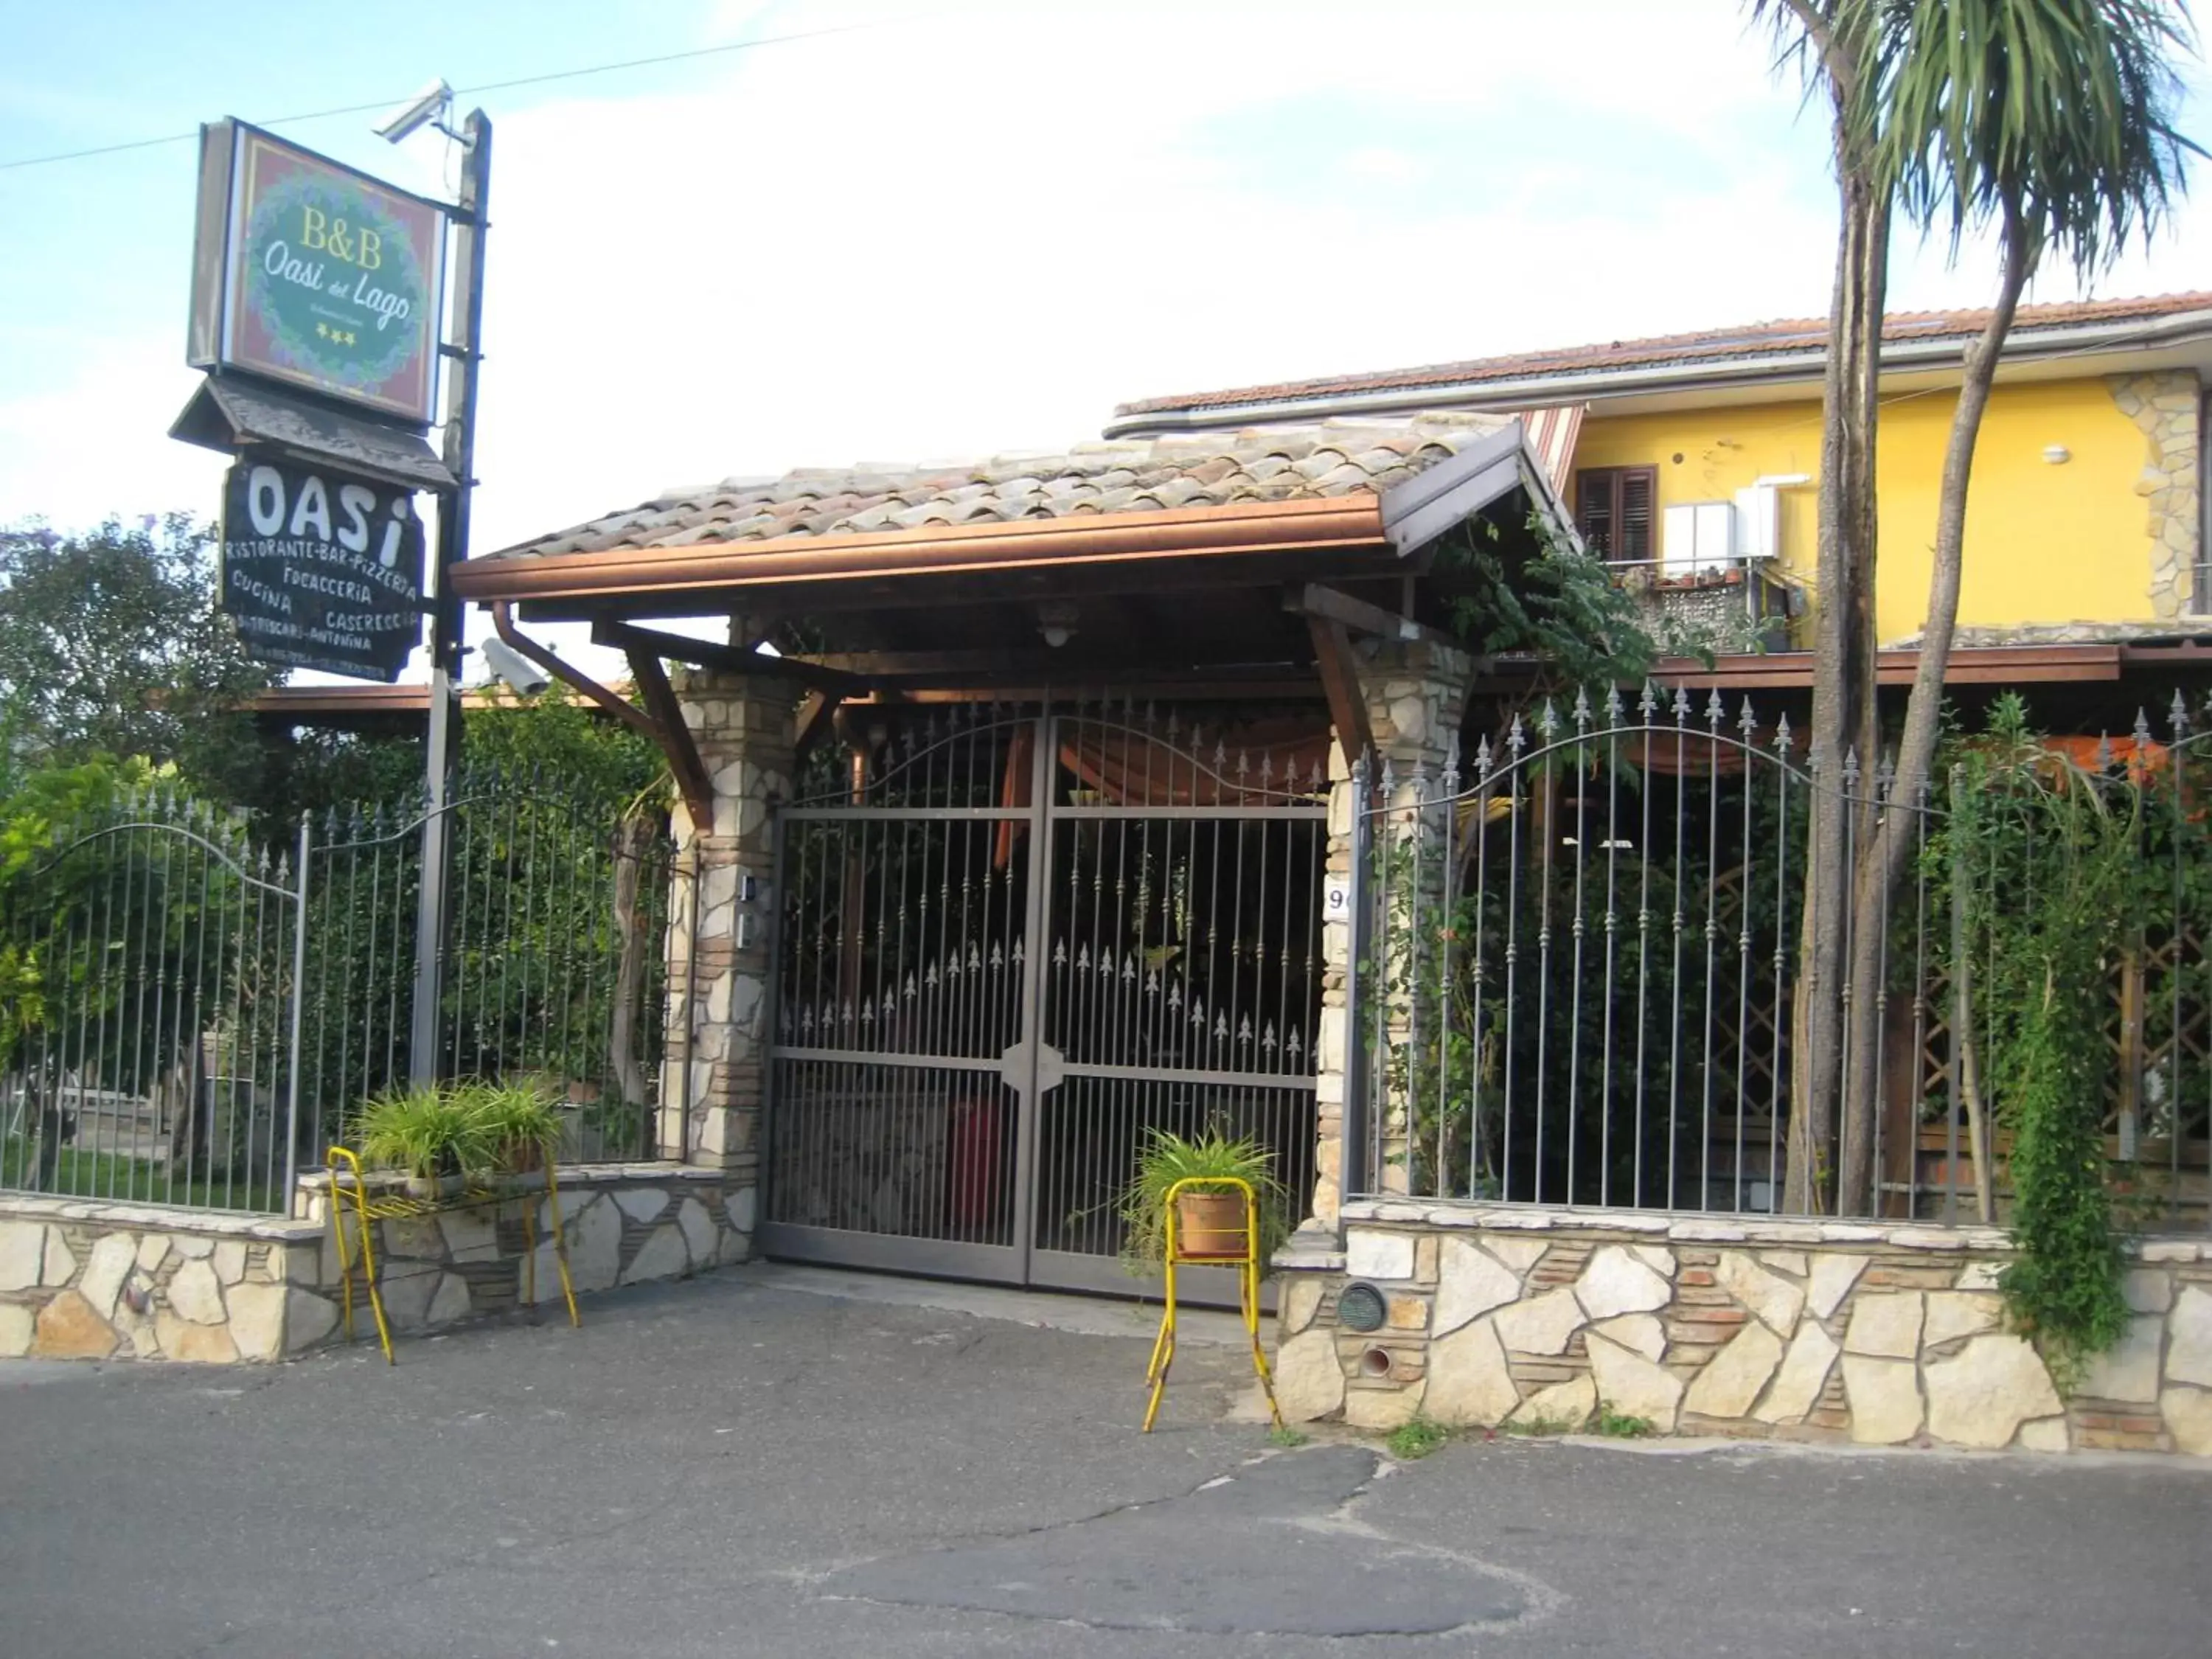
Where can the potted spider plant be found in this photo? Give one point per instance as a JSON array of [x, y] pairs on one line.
[[1208, 1222], [435, 1137], [519, 1124]]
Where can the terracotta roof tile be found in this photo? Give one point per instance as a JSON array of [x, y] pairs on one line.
[[1748, 343], [1190, 470]]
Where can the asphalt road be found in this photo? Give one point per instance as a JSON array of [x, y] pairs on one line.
[[736, 1465]]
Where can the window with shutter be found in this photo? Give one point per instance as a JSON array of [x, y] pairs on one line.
[[1616, 509]]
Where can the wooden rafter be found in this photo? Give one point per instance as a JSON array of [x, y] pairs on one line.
[[1312, 599], [1339, 680], [663, 724], [681, 647], [816, 717], [683, 753]]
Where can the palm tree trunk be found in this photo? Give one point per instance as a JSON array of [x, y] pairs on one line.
[[1844, 668], [1882, 858]]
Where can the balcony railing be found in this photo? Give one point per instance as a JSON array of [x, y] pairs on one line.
[[1736, 604]]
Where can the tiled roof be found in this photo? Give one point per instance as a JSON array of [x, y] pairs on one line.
[[1748, 343], [1217, 469]]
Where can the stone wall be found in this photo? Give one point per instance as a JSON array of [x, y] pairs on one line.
[[1878, 1335], [85, 1280], [2166, 406]]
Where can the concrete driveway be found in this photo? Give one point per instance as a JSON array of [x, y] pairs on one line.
[[778, 1462]]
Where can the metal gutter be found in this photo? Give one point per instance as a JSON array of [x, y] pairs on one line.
[[1353, 523], [1580, 385]]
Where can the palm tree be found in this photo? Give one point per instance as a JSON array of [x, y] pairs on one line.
[[2053, 121]]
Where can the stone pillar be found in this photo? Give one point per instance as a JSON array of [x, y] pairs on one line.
[[716, 1054], [1415, 694]]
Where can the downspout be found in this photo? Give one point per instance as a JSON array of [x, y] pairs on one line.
[[668, 732]]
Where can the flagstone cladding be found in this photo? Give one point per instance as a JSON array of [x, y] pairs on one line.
[[1877, 1334], [86, 1280], [2167, 407]]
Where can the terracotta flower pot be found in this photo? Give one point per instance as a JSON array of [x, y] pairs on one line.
[[1210, 1225]]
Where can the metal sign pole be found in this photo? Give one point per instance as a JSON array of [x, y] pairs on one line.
[[444, 738]]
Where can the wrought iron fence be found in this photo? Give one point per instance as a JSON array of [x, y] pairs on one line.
[[195, 1015], [1576, 976], [156, 947]]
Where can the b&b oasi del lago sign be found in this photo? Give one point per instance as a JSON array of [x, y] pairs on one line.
[[307, 272], [322, 571]]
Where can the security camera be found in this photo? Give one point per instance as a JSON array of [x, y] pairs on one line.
[[520, 674], [433, 101]]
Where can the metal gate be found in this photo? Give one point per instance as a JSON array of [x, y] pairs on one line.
[[1012, 944]]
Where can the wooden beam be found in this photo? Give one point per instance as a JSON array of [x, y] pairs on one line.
[[661, 720], [502, 623], [1313, 600], [675, 738], [629, 637], [1986, 664], [977, 670], [1300, 689], [874, 665], [816, 716], [1339, 681]]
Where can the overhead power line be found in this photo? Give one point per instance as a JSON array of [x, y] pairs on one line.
[[465, 92]]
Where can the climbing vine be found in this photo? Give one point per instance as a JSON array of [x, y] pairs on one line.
[[1558, 603], [2047, 860]]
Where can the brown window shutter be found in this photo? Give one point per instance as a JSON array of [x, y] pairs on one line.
[[1594, 514], [1638, 484], [1616, 508]]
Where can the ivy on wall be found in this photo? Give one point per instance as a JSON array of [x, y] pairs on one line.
[[2051, 865]]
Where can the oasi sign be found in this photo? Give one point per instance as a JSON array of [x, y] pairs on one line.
[[307, 272], [320, 570]]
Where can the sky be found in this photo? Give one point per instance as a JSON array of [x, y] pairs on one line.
[[928, 232]]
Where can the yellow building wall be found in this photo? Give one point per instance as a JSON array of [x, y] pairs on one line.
[[2044, 543]]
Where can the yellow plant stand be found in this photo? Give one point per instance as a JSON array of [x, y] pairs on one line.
[[1248, 1266], [391, 1207]]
